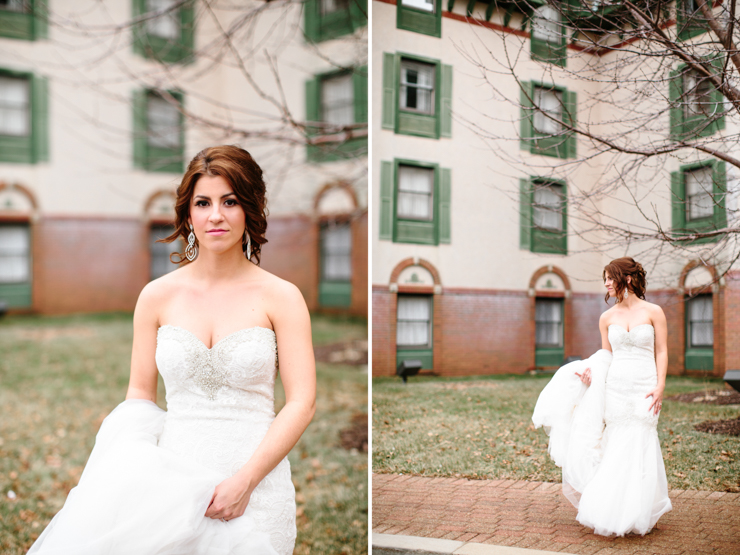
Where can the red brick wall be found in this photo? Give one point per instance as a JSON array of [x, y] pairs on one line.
[[492, 332], [292, 252], [359, 266], [88, 264], [731, 327]]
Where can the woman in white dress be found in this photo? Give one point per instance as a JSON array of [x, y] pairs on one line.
[[210, 475], [602, 413]]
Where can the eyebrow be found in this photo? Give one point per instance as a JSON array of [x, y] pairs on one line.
[[209, 198]]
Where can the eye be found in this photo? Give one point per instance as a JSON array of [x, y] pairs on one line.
[[201, 203], [231, 202]]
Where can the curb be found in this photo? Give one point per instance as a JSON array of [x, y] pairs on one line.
[[392, 544]]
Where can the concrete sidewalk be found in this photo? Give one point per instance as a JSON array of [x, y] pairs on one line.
[[535, 515]]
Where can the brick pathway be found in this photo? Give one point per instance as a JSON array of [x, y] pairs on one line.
[[536, 515]]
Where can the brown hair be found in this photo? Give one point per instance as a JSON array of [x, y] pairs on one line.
[[619, 269], [236, 166]]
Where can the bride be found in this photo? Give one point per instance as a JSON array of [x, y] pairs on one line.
[[210, 475], [602, 413]]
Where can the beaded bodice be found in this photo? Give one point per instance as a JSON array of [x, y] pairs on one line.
[[237, 372], [639, 341]]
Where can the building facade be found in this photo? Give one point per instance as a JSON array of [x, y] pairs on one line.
[[491, 224], [102, 105]]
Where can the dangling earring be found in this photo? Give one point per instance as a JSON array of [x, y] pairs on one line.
[[248, 250], [191, 251]]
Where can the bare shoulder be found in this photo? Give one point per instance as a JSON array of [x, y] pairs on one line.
[[156, 293], [606, 316], [281, 292], [655, 312]]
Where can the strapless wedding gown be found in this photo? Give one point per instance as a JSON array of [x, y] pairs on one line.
[[605, 438], [151, 475]]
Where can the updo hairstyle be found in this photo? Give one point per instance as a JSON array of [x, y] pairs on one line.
[[239, 169], [619, 269]]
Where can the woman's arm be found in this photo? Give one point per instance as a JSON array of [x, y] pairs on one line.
[[142, 382], [661, 357], [292, 325], [604, 329]]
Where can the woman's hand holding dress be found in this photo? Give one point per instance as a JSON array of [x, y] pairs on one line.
[[231, 497], [657, 395]]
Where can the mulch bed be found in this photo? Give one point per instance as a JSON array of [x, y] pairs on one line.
[[355, 436], [714, 397], [347, 352], [727, 427]]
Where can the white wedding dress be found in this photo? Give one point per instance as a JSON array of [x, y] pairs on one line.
[[604, 437], [151, 475]]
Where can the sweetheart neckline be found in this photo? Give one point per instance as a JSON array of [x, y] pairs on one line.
[[220, 340], [631, 330]]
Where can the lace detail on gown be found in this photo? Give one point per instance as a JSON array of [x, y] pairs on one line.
[[220, 403]]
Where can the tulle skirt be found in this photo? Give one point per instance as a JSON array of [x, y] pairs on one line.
[[137, 498]]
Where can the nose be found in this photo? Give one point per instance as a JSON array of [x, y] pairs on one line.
[[215, 215]]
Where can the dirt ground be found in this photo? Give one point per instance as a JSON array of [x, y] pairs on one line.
[[716, 397]]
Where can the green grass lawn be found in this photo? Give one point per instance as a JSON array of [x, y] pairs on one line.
[[481, 427], [59, 377]]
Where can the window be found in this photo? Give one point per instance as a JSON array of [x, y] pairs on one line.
[[548, 36], [548, 325], [167, 37], [335, 287], [698, 199], [329, 19], [23, 118], [699, 333], [15, 265], [417, 96], [543, 215], [336, 104], [23, 19], [689, 19], [545, 110], [414, 329], [158, 131], [160, 252], [697, 107], [419, 16], [415, 202]]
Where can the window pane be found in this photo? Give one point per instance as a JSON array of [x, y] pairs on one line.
[[415, 193], [166, 26], [417, 87], [331, 6], [699, 198], [551, 102], [698, 95], [337, 100], [160, 252], [546, 24], [15, 254], [164, 123], [414, 321], [548, 323], [336, 252], [425, 5], [547, 208], [14, 106], [12, 5], [701, 321]]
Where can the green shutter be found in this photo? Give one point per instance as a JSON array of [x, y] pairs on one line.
[[676, 106], [418, 21], [359, 78], [187, 31], [564, 212], [719, 178], [571, 109], [313, 105], [445, 198], [389, 91], [526, 114], [140, 129], [445, 125], [41, 19], [525, 215], [678, 202], [358, 13], [40, 119], [312, 28], [386, 201]]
